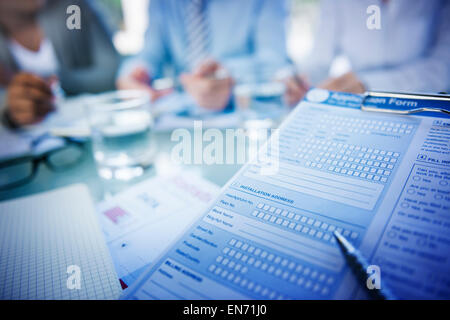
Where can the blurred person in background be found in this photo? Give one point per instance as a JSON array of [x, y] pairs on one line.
[[199, 39], [410, 52], [37, 49]]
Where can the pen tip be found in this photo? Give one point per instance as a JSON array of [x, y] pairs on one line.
[[342, 242], [337, 235]]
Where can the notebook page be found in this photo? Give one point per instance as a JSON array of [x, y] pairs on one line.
[[45, 239]]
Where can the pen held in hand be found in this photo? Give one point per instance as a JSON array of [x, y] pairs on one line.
[[302, 82], [175, 84]]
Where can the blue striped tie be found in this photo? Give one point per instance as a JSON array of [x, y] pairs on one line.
[[197, 33]]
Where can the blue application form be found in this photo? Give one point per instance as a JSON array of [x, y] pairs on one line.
[[381, 180]]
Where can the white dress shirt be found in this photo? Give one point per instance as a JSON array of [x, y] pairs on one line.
[[410, 52], [245, 35], [43, 62]]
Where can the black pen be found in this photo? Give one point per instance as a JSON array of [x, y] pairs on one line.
[[359, 265]]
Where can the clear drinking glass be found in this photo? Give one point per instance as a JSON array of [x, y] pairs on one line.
[[258, 97], [121, 129]]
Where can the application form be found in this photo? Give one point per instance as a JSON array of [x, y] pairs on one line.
[[381, 180]]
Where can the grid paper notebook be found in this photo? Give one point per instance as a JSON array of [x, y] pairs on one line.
[[42, 235]]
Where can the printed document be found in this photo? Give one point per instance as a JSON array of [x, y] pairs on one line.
[[381, 180], [141, 221]]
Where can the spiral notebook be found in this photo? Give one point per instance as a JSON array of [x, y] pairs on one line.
[[51, 247]]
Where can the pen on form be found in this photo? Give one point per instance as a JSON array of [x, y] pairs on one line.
[[359, 264]]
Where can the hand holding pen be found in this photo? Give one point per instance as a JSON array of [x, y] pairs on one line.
[[296, 88], [29, 99], [209, 85], [140, 79]]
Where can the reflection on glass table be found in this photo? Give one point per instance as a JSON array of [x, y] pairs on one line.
[[85, 172], [18, 171]]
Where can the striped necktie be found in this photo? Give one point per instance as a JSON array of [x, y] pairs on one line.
[[197, 33]]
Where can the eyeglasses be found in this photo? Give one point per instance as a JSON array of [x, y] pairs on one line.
[[19, 171]]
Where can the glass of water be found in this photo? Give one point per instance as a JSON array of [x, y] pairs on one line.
[[258, 98], [121, 130]]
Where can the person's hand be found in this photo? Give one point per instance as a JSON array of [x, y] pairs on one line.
[[208, 90], [348, 82], [6, 75], [28, 99], [139, 79], [296, 88]]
